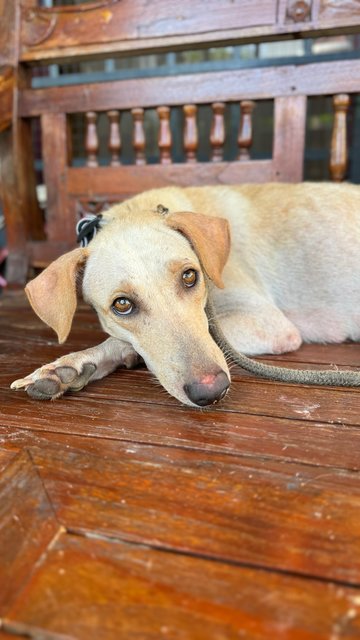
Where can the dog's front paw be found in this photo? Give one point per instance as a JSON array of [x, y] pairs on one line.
[[51, 381]]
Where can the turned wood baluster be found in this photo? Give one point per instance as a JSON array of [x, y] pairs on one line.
[[339, 150], [114, 143], [165, 138], [190, 132], [245, 130], [139, 135], [217, 135], [91, 139]]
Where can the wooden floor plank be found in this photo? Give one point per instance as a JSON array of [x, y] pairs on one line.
[[257, 397], [314, 443], [6, 455], [27, 525], [126, 592], [341, 406], [245, 513]]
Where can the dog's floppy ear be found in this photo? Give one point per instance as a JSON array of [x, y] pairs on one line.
[[210, 238], [52, 294]]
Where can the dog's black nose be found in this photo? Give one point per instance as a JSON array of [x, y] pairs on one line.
[[208, 390]]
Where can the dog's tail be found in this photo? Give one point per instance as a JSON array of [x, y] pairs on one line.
[[325, 377]]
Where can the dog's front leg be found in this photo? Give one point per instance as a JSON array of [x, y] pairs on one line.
[[73, 371]]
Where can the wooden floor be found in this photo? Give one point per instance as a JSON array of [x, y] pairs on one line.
[[126, 515]]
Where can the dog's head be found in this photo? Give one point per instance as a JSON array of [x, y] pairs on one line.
[[146, 278]]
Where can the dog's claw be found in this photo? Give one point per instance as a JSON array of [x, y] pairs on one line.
[[40, 389], [19, 384], [50, 383]]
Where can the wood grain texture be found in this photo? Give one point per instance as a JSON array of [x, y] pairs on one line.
[[17, 178], [123, 27], [124, 180], [122, 21], [244, 512], [22, 213], [6, 455], [27, 525], [139, 21], [289, 138], [7, 84], [55, 151], [124, 591], [316, 443], [9, 16]]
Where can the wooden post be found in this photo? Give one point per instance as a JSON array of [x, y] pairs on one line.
[[245, 137], [91, 139], [114, 137], [217, 134], [165, 139], [339, 146], [23, 216], [55, 151], [139, 135], [289, 138], [7, 85], [190, 132]]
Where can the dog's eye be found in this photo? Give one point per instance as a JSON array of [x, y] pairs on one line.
[[189, 277], [122, 306]]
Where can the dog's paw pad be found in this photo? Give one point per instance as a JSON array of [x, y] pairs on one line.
[[44, 389], [66, 374], [81, 380]]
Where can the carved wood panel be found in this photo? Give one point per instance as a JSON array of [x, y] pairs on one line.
[[122, 21], [122, 26], [340, 11], [298, 11]]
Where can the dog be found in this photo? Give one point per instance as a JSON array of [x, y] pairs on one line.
[[290, 273]]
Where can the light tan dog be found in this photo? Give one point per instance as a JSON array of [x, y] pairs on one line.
[[292, 273]]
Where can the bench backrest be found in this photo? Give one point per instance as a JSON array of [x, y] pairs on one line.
[[117, 27]]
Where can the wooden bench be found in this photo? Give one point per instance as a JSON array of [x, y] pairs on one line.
[[114, 27]]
